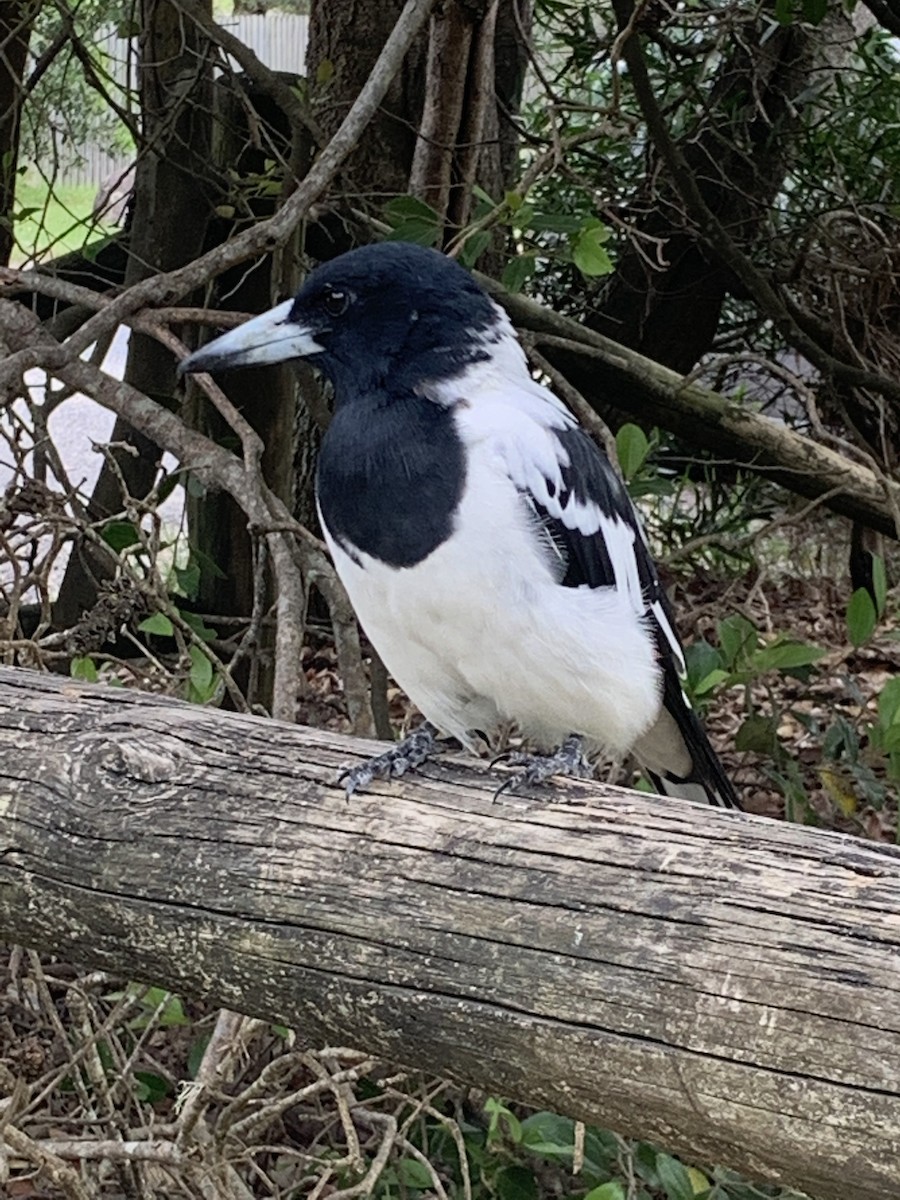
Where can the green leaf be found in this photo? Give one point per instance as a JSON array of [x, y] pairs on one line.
[[782, 656], [167, 486], [474, 247], [515, 1183], [413, 1174], [759, 734], [324, 72], [631, 449], [861, 617], [499, 1116], [83, 668], [601, 1151], [420, 233], [173, 1012], [699, 1182], [607, 1191], [187, 579], [701, 658], [674, 1178], [814, 11], [737, 636], [549, 1134], [201, 676], [521, 218], [517, 272], [197, 624], [171, 1009], [889, 704], [710, 681], [119, 535], [412, 220], [402, 207], [157, 624], [589, 254], [150, 1087]]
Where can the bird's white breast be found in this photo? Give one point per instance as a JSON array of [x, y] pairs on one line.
[[482, 632]]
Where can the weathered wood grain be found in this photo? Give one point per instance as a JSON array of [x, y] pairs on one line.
[[721, 984]]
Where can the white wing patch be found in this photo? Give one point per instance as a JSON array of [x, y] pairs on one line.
[[529, 449], [619, 539]]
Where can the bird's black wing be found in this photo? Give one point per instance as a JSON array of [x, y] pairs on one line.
[[595, 534]]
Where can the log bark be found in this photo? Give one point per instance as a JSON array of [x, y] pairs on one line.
[[722, 984]]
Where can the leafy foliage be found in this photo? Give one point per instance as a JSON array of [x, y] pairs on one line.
[[69, 105]]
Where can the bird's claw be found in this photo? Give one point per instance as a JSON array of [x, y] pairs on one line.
[[538, 768], [415, 749]]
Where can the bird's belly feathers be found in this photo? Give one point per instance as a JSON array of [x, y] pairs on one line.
[[480, 632]]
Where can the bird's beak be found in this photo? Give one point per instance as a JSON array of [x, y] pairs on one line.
[[270, 338]]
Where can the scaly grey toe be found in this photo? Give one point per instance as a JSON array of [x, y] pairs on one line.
[[537, 768], [415, 749]]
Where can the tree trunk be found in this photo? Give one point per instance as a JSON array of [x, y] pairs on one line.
[[466, 137], [251, 129], [723, 984], [738, 151], [172, 206], [16, 21], [345, 38]]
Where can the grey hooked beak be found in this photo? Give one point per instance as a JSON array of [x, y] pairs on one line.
[[270, 338]]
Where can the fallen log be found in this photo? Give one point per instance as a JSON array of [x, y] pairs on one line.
[[721, 984]]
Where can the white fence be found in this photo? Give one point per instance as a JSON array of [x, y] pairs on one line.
[[279, 40]]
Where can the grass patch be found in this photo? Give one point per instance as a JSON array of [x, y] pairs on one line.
[[52, 222]]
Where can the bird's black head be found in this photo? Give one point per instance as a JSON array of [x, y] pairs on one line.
[[392, 311]]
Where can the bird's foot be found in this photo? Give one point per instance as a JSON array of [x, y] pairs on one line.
[[537, 768], [415, 748]]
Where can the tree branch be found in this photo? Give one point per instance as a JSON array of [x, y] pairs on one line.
[[599, 367]]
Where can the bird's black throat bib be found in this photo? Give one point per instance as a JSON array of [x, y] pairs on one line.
[[390, 477]]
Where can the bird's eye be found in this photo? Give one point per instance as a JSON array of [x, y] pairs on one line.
[[336, 301]]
